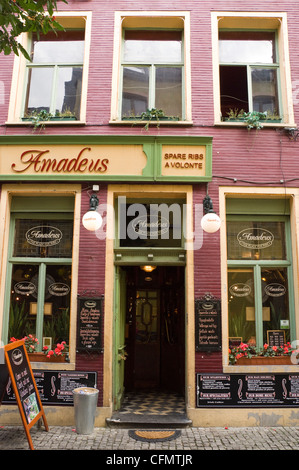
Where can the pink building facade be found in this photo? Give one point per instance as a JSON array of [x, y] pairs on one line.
[[152, 108]]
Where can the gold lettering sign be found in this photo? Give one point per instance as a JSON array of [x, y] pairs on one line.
[[183, 160], [72, 160]]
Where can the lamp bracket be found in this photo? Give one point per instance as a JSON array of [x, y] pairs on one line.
[[207, 205]]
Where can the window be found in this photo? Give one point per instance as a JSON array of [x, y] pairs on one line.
[[54, 77], [39, 273], [151, 66], [248, 73], [54, 82], [251, 67], [259, 279], [152, 72]]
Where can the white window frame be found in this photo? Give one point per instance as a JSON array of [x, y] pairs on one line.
[[157, 20], [256, 21], [19, 81]]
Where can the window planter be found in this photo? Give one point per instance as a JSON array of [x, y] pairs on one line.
[[41, 357], [264, 361]]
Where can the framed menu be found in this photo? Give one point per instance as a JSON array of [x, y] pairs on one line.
[[207, 324], [89, 328]]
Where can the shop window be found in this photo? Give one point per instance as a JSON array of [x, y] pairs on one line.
[[39, 273], [251, 67], [151, 67], [53, 85], [259, 280]]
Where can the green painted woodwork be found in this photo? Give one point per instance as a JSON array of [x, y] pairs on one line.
[[249, 207], [152, 147], [119, 338]]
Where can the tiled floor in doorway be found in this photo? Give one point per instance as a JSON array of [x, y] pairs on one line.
[[153, 402]]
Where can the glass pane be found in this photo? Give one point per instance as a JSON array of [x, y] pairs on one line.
[[233, 90], [22, 313], [241, 311], [264, 91], [135, 91], [146, 317], [39, 90], [256, 240], [169, 90], [57, 304], [68, 90], [153, 46], [60, 48], [247, 47], [43, 238], [276, 323]]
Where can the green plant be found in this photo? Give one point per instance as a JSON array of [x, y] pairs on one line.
[[152, 115], [38, 118], [246, 350], [235, 114], [253, 119], [18, 320]]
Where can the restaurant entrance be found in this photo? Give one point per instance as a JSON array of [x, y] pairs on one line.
[[153, 356]]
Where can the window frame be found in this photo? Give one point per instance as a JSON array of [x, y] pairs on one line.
[[255, 21], [258, 265], [157, 21], [70, 20]]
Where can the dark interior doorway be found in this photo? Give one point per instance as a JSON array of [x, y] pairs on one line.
[[155, 329]]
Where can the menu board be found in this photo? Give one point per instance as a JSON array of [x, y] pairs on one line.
[[56, 387], [89, 328], [207, 324], [24, 386], [247, 390]]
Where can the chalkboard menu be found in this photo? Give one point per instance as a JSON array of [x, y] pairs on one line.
[[207, 324], [24, 386], [247, 390], [56, 387], [89, 330]]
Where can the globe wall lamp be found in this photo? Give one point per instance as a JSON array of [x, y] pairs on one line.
[[92, 220], [210, 222]]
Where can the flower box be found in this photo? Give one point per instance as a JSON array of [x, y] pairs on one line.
[[41, 357], [264, 361]]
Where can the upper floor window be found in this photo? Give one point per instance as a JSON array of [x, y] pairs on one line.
[[251, 67], [53, 84], [54, 77], [152, 72], [151, 66], [248, 73]]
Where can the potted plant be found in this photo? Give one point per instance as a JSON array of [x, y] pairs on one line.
[[151, 115], [246, 354], [253, 119], [58, 354]]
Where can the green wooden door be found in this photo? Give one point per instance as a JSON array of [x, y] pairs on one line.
[[119, 343]]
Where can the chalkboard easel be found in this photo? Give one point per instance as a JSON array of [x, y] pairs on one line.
[[24, 387]]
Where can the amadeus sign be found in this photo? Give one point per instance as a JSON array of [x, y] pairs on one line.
[[43, 236], [255, 238]]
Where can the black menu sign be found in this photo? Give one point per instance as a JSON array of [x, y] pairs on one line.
[[56, 387], [247, 390], [207, 324], [89, 331]]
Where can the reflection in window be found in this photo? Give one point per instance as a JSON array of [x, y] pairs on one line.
[[55, 74], [241, 306], [152, 72]]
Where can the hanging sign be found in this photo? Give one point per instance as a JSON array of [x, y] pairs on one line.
[[24, 386]]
